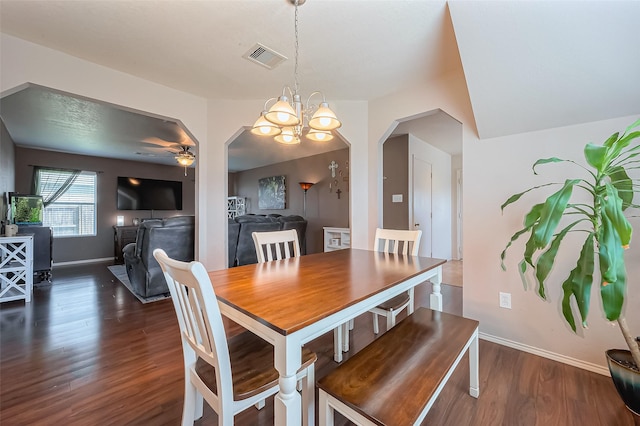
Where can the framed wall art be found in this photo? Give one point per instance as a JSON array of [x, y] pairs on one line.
[[271, 193]]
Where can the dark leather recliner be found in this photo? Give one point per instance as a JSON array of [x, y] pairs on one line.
[[175, 235]]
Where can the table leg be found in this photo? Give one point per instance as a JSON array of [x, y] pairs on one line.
[[474, 366], [287, 403], [435, 299]]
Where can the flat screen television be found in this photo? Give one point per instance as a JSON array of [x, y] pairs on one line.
[[148, 194], [26, 209]]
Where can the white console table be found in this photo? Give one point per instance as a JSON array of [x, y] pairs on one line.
[[336, 238], [16, 268]]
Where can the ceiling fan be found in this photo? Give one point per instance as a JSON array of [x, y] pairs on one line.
[[180, 150]]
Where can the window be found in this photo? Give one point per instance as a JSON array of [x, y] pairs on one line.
[[73, 212]]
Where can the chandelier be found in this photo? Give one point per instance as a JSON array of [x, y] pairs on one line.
[[288, 117]]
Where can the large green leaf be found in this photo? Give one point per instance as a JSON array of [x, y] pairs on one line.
[[530, 248], [612, 293], [529, 220], [552, 212], [595, 155], [611, 253], [609, 142], [546, 161], [532, 217], [513, 238], [547, 259], [613, 209], [578, 284], [516, 197], [620, 179]]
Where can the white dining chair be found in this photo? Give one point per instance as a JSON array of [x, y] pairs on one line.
[[395, 241], [392, 241], [276, 245], [230, 374]]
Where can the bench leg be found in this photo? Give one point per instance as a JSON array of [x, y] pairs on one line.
[[474, 365], [325, 411]]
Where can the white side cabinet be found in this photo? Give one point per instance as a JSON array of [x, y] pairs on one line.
[[336, 238], [16, 268], [236, 206]]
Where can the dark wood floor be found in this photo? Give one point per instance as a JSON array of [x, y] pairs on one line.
[[86, 352]]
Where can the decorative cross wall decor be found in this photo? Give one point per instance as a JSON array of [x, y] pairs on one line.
[[333, 166]]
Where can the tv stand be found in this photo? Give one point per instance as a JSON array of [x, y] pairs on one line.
[[122, 236]]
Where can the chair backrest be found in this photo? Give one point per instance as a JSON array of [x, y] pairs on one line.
[[200, 320], [388, 241], [276, 245]]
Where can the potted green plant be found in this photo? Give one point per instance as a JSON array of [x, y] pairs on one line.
[[610, 191]]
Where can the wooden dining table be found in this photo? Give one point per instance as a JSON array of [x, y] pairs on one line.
[[291, 302]]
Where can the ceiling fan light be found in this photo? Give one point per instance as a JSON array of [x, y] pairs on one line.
[[282, 113], [319, 135], [185, 158], [287, 137], [263, 127], [324, 118]]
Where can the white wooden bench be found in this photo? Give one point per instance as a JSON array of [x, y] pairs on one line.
[[396, 379]]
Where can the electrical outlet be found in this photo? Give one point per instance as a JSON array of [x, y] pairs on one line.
[[505, 300]]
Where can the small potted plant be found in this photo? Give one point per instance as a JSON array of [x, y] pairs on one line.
[[610, 187]]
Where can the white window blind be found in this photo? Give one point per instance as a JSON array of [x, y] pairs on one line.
[[74, 212]]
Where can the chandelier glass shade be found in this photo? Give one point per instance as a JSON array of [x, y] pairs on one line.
[[288, 118]]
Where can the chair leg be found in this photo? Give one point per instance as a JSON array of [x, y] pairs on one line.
[[199, 410], [190, 403], [309, 397], [376, 329], [351, 321], [337, 343], [325, 415], [345, 337], [391, 320]]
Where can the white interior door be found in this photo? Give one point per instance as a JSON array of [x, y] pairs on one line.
[[422, 209], [459, 212]]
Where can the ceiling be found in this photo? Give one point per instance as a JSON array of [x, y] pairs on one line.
[[528, 65]]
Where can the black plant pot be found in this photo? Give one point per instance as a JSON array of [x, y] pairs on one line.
[[626, 379]]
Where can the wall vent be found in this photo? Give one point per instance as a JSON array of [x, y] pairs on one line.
[[262, 55]]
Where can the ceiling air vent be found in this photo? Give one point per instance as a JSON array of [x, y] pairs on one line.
[[264, 56]]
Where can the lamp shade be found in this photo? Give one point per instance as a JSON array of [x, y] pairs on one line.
[[305, 185], [287, 137], [319, 135], [263, 127], [324, 118], [282, 113]]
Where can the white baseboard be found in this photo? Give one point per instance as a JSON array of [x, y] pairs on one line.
[[81, 262], [546, 354]]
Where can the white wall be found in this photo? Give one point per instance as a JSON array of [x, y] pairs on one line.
[[441, 194], [495, 169]]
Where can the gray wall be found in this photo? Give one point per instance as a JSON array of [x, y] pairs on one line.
[[7, 168], [395, 169], [69, 249], [323, 207]]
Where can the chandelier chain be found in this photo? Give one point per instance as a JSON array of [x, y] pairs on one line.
[[295, 70]]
